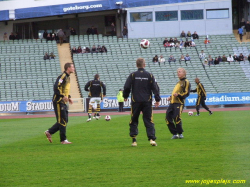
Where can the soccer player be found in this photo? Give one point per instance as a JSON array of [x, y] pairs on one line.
[[201, 97], [177, 100], [60, 99], [95, 88], [142, 84]]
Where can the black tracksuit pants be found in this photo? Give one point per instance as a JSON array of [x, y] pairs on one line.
[[61, 111], [173, 118], [146, 108], [120, 107], [201, 101]]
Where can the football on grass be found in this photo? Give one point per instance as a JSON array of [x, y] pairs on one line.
[[190, 113], [144, 43], [107, 118]]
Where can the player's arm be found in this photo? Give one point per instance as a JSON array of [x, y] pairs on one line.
[[127, 87], [195, 90], [155, 88], [103, 89], [86, 88]]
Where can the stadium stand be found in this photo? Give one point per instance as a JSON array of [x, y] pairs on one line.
[[115, 66], [24, 73]]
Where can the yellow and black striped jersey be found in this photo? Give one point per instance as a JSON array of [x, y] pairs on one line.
[[200, 90], [61, 87], [183, 89]]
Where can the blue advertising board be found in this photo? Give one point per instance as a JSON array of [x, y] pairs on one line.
[[89, 6], [112, 103], [4, 15]]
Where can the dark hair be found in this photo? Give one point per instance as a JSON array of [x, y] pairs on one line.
[[67, 65], [96, 76]]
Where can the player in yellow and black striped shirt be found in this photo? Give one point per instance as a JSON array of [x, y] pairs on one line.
[[201, 97], [177, 100], [60, 99]]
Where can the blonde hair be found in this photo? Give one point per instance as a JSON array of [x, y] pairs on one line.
[[140, 62], [182, 69]]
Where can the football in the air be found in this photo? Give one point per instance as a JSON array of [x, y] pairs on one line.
[[190, 113], [144, 43], [107, 118]]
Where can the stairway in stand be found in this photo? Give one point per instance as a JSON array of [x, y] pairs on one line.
[[64, 57]]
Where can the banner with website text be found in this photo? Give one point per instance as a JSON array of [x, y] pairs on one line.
[[112, 103]]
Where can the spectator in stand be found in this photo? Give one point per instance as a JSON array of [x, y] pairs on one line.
[[84, 50], [224, 58], [73, 31], [177, 45], [182, 59], [167, 44], [181, 44], [165, 41], [183, 34], [104, 49], [99, 49], [51, 36], [87, 50], [240, 31], [205, 62], [93, 49], [171, 40], [176, 40], [45, 34], [248, 58], [65, 37], [52, 56], [219, 59], [236, 59], [192, 44], [216, 61], [161, 60], [113, 29], [46, 56], [92, 30], [206, 41], [5, 37], [74, 50], [202, 55], [171, 59], [125, 32], [195, 35], [241, 57], [187, 43], [247, 30], [155, 59], [17, 37], [187, 58], [12, 36], [79, 49], [230, 58], [210, 60], [60, 35], [243, 23], [189, 34]]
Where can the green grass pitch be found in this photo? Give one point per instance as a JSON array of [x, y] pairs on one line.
[[215, 147]]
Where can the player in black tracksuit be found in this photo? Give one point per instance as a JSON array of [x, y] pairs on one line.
[[201, 97], [142, 84], [95, 88], [60, 99]]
